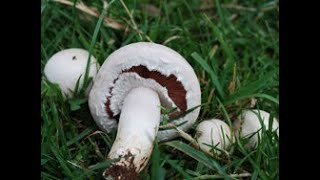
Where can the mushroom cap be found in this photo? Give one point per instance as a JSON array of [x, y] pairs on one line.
[[213, 132], [248, 123], [118, 75], [65, 67]]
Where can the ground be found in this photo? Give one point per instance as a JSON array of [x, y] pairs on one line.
[[233, 47]]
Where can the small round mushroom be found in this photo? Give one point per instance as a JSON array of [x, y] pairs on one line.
[[248, 124], [127, 93], [213, 135], [65, 68]]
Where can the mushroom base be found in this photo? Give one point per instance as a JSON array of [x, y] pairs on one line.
[[121, 172]]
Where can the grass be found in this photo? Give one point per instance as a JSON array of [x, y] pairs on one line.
[[233, 47]]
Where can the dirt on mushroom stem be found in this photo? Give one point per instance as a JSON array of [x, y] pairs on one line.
[[122, 170]]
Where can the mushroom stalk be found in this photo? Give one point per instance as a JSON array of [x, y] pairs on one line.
[[138, 126]]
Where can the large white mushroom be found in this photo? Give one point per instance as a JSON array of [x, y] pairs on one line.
[[248, 125], [213, 136], [65, 68], [127, 93]]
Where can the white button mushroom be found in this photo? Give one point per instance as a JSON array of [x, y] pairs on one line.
[[248, 124], [65, 68], [213, 136], [128, 90]]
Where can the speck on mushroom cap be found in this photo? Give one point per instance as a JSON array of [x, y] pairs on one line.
[[66, 66], [145, 64]]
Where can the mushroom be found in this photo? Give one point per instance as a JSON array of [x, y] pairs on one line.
[[127, 93], [213, 135], [248, 125], [65, 68]]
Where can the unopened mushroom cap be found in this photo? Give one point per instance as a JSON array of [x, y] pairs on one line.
[[248, 123], [65, 67], [213, 132], [148, 65]]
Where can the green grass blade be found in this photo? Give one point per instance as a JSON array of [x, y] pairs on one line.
[[220, 12], [101, 165], [80, 136], [252, 89], [43, 7], [233, 99], [177, 167], [93, 42], [213, 75], [230, 55], [62, 161], [197, 155], [225, 113], [47, 176], [157, 172]]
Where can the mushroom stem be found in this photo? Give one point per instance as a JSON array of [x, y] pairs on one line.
[[138, 126]]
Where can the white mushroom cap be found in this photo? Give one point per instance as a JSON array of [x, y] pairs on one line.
[[213, 133], [117, 77], [248, 123], [65, 67]]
